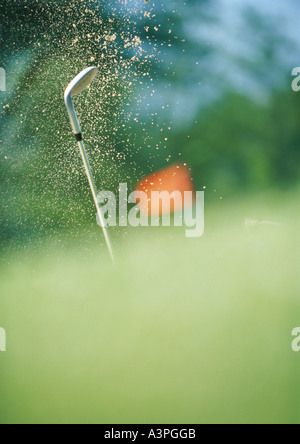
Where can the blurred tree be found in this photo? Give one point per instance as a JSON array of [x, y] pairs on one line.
[[240, 145]]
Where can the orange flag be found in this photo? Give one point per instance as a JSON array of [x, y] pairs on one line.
[[174, 178]]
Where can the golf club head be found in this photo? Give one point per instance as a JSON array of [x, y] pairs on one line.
[[80, 83]]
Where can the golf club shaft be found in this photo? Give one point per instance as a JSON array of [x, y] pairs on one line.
[[94, 191]]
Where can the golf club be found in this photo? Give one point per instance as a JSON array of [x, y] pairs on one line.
[[81, 82]]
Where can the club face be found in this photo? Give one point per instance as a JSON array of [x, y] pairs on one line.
[[81, 82]]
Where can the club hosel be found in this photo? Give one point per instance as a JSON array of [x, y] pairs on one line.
[[73, 116]]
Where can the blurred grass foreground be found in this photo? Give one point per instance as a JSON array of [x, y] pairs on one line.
[[89, 343]]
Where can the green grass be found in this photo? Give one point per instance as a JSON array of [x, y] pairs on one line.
[[182, 331]]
